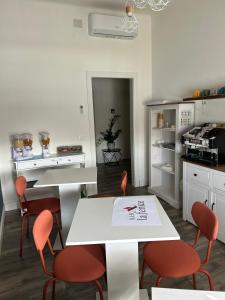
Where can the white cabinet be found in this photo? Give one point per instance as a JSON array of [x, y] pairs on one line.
[[205, 185], [165, 148], [218, 206], [195, 193]]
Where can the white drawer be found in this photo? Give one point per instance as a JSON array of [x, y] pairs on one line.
[[200, 175], [39, 163], [219, 181], [71, 159]]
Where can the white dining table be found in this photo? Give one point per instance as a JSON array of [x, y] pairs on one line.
[[69, 181], [92, 224], [173, 294]]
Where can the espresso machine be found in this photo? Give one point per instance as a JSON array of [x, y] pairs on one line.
[[205, 144]]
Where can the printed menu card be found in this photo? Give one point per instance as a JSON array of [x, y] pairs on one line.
[[136, 211]]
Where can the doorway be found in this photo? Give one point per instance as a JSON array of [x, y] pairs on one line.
[[130, 81], [111, 102]]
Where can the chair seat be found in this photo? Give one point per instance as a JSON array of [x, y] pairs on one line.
[[172, 259], [37, 206], [79, 263]]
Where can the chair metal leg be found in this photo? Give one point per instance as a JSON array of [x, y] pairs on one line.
[[157, 284], [22, 235], [53, 289], [99, 286], [211, 285], [28, 227], [194, 281], [59, 230], [142, 275], [105, 279], [45, 288]]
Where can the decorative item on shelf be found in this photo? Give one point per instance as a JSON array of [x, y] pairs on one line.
[[65, 150], [205, 93], [168, 167], [196, 93], [221, 91], [27, 145], [109, 135], [22, 146], [213, 92], [45, 140], [156, 5], [160, 120], [130, 22], [17, 146]]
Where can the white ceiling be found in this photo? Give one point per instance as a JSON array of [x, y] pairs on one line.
[[104, 4]]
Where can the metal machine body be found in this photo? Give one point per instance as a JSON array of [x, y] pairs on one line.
[[205, 143]]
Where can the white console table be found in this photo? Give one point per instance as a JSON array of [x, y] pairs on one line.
[[38, 162], [36, 166]]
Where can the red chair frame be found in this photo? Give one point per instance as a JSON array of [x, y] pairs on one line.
[[27, 212], [41, 232], [207, 225]]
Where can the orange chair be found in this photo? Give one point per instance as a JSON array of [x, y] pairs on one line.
[[123, 187], [72, 264], [34, 207], [175, 259], [124, 182]]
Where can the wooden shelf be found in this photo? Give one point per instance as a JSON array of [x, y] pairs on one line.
[[204, 98], [165, 129], [164, 148], [160, 167]]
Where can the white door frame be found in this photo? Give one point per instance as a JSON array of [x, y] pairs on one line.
[[133, 110]]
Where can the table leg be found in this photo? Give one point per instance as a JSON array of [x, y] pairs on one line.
[[123, 272], [69, 196]]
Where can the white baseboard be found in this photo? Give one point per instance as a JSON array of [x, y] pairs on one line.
[[2, 227]]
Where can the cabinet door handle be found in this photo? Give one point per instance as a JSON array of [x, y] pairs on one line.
[[206, 201], [213, 205], [195, 174]]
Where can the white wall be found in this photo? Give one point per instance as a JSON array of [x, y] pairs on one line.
[[188, 46], [44, 62], [112, 93]]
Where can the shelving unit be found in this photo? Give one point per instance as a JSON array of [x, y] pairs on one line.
[[204, 98], [164, 129], [160, 167], [165, 149]]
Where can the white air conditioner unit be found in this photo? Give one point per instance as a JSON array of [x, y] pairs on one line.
[[108, 26]]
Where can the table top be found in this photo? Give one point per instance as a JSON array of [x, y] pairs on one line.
[[66, 176], [172, 294], [92, 224]]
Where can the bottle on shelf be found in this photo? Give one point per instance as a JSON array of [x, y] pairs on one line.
[[160, 120]]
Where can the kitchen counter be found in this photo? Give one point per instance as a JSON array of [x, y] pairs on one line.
[[220, 167]]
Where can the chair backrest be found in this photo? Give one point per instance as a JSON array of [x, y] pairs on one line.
[[124, 182], [42, 229], [206, 220], [21, 185], [41, 232]]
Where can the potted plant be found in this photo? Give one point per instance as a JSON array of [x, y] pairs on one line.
[[109, 135]]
